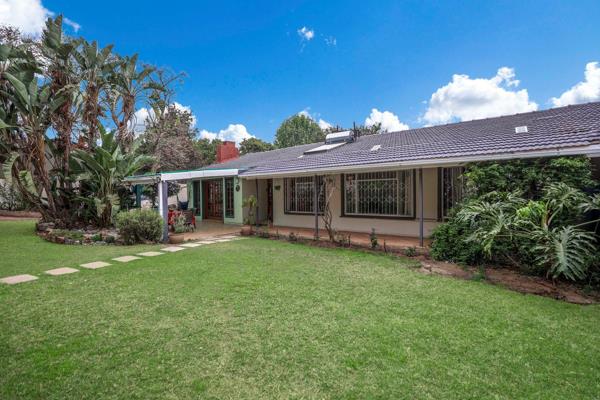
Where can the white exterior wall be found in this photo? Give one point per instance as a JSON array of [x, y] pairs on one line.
[[400, 227]]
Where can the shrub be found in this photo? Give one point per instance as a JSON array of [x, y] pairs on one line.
[[292, 237], [410, 251], [449, 244], [139, 226], [67, 234], [97, 237], [373, 239]]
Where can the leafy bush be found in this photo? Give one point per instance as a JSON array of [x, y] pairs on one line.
[[449, 244], [410, 251], [139, 226], [96, 237], [67, 234], [529, 177], [549, 229], [373, 239], [11, 199]]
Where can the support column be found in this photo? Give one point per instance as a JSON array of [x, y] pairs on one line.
[[138, 195], [163, 207], [316, 205], [257, 206], [421, 212]]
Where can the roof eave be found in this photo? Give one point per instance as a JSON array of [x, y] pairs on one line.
[[592, 150]]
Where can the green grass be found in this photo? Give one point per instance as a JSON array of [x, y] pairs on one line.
[[22, 252], [256, 319]]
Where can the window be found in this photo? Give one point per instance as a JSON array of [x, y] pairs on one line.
[[229, 209], [387, 194], [299, 194], [196, 197], [451, 187]]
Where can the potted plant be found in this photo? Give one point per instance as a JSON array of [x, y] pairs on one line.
[[179, 230], [249, 203]]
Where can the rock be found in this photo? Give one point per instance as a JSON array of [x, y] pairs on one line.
[[44, 226]]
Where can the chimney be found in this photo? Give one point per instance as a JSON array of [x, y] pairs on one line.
[[227, 151]]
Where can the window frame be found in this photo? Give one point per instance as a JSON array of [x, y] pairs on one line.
[[442, 210], [321, 199], [413, 193], [229, 209]]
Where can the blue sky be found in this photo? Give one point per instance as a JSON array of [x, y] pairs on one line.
[[250, 63]]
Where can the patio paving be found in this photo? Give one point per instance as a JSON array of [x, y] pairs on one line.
[[95, 265], [151, 254], [61, 271], [13, 280], [125, 259], [172, 249]]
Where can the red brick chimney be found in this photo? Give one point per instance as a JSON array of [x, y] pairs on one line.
[[227, 151]]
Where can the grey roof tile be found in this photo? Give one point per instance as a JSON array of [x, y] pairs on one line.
[[570, 126]]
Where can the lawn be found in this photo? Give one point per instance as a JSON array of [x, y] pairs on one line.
[[258, 319], [21, 252]]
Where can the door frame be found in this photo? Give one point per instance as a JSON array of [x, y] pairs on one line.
[[206, 199]]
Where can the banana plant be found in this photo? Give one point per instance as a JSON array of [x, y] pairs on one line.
[[101, 173]]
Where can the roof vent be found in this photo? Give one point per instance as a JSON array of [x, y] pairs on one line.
[[339, 137], [521, 129], [376, 147]]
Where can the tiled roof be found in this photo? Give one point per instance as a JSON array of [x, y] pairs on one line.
[[571, 126]]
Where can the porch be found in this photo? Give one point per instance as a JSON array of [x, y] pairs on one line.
[[207, 229]]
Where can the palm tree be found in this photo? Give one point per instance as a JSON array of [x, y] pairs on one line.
[[95, 67], [128, 85]]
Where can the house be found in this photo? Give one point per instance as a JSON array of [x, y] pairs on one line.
[[400, 183]]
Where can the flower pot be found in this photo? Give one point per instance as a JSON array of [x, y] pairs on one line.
[[246, 230], [176, 238]]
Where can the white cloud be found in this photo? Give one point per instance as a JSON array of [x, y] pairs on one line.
[[306, 33], [466, 99], [76, 27], [331, 41], [315, 117], [583, 92], [234, 132], [29, 16], [388, 120], [139, 119], [324, 124]]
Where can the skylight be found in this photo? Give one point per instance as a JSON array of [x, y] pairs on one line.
[[324, 147]]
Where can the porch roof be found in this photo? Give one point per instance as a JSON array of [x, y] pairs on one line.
[[173, 176]]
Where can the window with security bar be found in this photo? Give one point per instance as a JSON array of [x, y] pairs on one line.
[[300, 195], [385, 194], [229, 208], [452, 189]]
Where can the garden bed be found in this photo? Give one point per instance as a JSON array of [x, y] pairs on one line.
[[506, 277], [84, 236]]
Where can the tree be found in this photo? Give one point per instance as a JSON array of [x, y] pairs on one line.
[[363, 130], [101, 174], [254, 145], [169, 138], [207, 149], [296, 130]]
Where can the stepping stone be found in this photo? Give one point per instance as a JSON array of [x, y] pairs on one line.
[[151, 254], [12, 280], [228, 237], [126, 258], [222, 240], [61, 271], [95, 265], [172, 249], [191, 245]]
